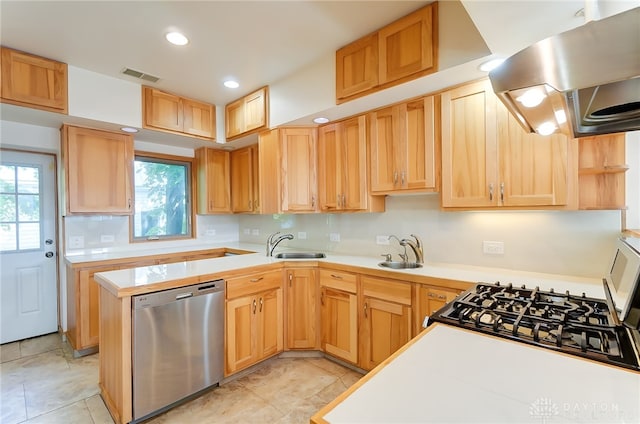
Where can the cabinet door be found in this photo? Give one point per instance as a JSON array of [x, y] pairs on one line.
[[430, 299], [242, 180], [469, 147], [162, 110], [241, 333], [270, 334], [418, 149], [234, 116], [354, 164], [255, 110], [269, 174], [302, 318], [214, 186], [199, 119], [298, 169], [384, 130], [357, 67], [386, 326], [34, 81], [533, 168], [407, 45], [329, 167], [339, 323], [98, 171]]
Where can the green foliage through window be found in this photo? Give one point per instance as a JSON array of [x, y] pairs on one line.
[[162, 198]]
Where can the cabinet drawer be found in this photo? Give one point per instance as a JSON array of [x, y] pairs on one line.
[[253, 283], [338, 280], [391, 290]]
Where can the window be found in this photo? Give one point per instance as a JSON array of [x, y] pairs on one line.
[[162, 198], [20, 212]]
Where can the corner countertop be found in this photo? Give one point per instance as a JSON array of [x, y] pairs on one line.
[[447, 374], [127, 282]]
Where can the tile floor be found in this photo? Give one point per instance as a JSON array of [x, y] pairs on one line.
[[41, 382]]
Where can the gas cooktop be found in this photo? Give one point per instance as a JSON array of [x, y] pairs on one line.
[[573, 324]]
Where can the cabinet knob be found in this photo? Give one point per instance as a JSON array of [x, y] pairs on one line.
[[491, 191], [365, 310], [254, 306], [261, 302], [502, 192]]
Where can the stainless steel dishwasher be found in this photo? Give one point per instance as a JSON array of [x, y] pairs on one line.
[[178, 342]]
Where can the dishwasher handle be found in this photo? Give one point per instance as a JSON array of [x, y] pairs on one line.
[[184, 295]]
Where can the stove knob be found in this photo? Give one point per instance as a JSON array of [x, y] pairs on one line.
[[523, 286], [509, 285], [584, 295], [497, 283], [567, 293], [551, 291]]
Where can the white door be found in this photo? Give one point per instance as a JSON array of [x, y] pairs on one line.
[[28, 254]]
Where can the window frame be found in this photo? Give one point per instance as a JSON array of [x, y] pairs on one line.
[[191, 200]]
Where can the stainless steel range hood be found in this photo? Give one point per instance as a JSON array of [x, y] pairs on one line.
[[583, 82]]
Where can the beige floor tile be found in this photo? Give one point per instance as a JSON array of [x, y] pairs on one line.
[[328, 365], [13, 408], [76, 413], [98, 410], [40, 344], [37, 368], [9, 351]]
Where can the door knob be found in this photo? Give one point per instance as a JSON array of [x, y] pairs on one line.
[[49, 254]]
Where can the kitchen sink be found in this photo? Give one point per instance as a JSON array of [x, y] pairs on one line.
[[300, 255], [400, 265]]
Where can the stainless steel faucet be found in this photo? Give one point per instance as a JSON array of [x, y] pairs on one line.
[[404, 255], [416, 246], [272, 241]]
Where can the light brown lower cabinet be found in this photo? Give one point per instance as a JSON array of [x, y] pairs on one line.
[[430, 299], [254, 319], [302, 312], [386, 315], [339, 314]]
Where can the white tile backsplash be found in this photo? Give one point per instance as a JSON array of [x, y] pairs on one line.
[[559, 242]]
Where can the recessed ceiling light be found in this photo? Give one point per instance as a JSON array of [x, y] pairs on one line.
[[231, 84], [129, 130], [321, 120], [490, 65], [176, 38]]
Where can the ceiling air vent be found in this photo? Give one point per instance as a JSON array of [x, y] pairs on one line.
[[140, 75]]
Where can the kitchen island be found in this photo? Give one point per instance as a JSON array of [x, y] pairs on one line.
[[448, 374], [118, 287]]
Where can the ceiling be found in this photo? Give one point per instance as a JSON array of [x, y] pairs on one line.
[[256, 42]]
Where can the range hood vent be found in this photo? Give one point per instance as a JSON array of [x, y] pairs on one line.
[[582, 82], [140, 75]]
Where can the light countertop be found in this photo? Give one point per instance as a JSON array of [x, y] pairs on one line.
[[453, 375], [159, 277]]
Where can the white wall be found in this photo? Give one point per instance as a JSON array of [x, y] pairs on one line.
[[559, 242]]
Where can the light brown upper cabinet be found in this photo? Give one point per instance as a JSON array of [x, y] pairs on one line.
[[33, 81], [171, 113], [98, 170], [601, 172], [342, 168], [403, 148], [488, 160], [214, 187], [244, 180], [401, 51], [248, 114], [288, 181]]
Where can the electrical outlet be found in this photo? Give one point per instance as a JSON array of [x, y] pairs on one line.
[[493, 247], [382, 240], [210, 232], [255, 232], [302, 235], [76, 242], [246, 231], [334, 237], [107, 238]]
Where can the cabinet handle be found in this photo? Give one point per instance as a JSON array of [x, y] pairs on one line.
[[431, 295], [365, 310], [442, 297], [129, 203], [344, 201], [255, 280], [322, 298], [254, 306], [313, 202], [256, 204], [395, 177], [502, 192], [339, 277], [290, 279], [338, 200], [402, 179], [260, 304], [250, 208], [491, 191]]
